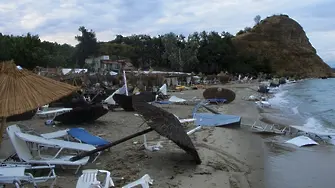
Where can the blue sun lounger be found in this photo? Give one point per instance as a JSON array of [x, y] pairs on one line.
[[216, 100], [209, 119], [80, 134], [213, 119], [83, 136]]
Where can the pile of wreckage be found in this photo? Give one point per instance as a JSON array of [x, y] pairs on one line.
[[35, 96]]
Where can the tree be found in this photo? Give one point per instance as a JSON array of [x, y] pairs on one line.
[[257, 19], [88, 45], [171, 52], [29, 51]]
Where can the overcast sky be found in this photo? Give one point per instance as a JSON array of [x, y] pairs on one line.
[[58, 20]]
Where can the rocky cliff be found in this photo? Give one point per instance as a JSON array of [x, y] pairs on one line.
[[283, 43]]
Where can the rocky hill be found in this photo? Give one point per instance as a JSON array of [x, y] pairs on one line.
[[283, 43]]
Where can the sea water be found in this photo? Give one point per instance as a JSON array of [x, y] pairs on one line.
[[309, 103]]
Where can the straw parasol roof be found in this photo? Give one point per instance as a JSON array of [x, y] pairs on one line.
[[22, 90]]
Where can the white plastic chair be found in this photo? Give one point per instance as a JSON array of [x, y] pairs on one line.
[[145, 181], [89, 179]]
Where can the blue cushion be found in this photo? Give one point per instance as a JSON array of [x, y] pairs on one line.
[[85, 137]]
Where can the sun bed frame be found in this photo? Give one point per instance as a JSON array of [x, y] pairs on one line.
[[67, 136], [267, 129], [16, 174], [28, 154], [61, 134], [46, 113]]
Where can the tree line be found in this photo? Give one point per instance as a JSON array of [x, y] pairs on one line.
[[205, 52]]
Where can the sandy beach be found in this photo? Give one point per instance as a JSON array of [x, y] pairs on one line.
[[231, 157]]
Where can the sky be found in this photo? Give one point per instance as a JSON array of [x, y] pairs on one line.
[[59, 20]]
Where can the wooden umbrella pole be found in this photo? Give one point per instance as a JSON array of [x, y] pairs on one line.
[[3, 125], [88, 153]]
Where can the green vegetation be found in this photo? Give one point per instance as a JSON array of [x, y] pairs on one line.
[[29, 52], [206, 52]]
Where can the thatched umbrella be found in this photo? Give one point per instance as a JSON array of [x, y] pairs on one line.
[[22, 90]]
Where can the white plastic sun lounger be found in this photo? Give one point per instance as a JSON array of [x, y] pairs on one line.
[[272, 129], [55, 143], [16, 174], [25, 153], [301, 141], [89, 179], [46, 113], [144, 182], [78, 134]]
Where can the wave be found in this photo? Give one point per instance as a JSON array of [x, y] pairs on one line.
[[295, 110], [302, 103], [279, 98], [313, 123]]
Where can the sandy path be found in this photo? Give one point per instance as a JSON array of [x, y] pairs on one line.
[[231, 158]]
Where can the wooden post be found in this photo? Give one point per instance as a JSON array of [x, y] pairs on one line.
[[3, 126]]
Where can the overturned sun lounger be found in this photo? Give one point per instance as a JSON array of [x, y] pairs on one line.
[[301, 141], [213, 119], [267, 129], [33, 154], [17, 174], [89, 179], [144, 182], [54, 113]]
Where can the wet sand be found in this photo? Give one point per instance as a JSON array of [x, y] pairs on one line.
[[231, 157]]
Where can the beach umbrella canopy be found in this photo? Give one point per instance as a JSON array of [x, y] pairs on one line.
[[219, 93], [159, 120], [22, 91], [165, 124]]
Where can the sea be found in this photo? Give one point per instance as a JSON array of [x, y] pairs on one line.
[[309, 103]]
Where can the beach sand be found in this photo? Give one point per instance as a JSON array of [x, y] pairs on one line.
[[231, 157]]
